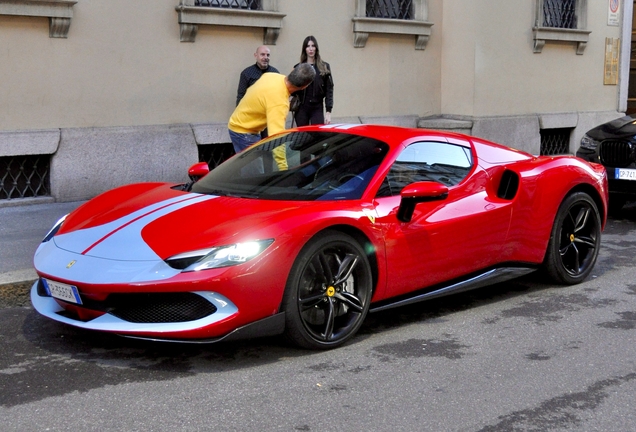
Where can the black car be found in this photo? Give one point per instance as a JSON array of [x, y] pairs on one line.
[[613, 144]]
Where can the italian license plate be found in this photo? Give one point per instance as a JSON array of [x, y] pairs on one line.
[[625, 174], [64, 292]]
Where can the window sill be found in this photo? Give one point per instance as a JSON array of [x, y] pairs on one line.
[[548, 34], [59, 13], [362, 26], [190, 17]]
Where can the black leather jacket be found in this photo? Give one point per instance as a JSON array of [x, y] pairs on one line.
[[320, 89]]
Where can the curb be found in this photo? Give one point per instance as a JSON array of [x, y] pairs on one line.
[[18, 276]]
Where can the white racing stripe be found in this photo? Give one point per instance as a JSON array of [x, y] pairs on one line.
[[121, 239], [111, 253]]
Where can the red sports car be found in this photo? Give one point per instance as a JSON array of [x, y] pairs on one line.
[[309, 230]]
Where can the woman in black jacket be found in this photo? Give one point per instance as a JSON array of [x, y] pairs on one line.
[[320, 90]]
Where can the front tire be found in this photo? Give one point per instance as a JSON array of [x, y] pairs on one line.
[[328, 292], [575, 240]]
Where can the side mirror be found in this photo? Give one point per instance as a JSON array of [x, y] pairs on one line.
[[417, 193], [198, 170]]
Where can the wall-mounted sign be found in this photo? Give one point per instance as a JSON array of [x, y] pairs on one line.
[[612, 47], [613, 12]]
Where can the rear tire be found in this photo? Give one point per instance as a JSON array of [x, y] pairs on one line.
[[575, 240], [328, 292]]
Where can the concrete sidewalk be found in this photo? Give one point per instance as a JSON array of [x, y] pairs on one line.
[[22, 228]]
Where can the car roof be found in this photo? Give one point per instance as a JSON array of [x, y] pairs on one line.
[[392, 135]]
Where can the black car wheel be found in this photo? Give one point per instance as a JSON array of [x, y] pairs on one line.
[[328, 292], [575, 240]]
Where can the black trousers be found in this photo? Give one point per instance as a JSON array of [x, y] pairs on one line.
[[309, 114]]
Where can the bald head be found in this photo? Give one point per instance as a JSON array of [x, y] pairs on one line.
[[262, 57]]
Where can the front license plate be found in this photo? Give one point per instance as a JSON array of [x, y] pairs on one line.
[[64, 292], [625, 174]]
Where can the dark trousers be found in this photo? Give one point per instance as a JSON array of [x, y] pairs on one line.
[[309, 114]]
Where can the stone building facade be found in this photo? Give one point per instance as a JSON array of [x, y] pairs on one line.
[[101, 93]]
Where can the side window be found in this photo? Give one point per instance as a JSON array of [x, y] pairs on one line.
[[445, 163]]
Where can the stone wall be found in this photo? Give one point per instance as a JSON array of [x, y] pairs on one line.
[[88, 161]]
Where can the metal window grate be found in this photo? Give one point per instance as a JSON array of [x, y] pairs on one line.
[[24, 176], [395, 9], [214, 154], [555, 141], [559, 13], [232, 4]]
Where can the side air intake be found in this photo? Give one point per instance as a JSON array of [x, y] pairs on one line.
[[509, 185]]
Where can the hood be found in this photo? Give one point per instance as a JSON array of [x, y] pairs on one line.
[[153, 222], [624, 127]]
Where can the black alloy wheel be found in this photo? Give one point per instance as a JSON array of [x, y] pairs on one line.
[[328, 292], [575, 240]]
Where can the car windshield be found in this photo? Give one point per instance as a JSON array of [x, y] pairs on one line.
[[299, 166]]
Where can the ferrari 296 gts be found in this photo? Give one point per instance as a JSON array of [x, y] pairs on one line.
[[307, 231]]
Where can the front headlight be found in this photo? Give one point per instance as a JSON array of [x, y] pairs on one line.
[[223, 256], [587, 142], [55, 229]]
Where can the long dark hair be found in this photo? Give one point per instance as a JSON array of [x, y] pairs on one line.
[[320, 65]]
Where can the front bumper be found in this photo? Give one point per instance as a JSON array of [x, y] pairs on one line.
[[50, 308]]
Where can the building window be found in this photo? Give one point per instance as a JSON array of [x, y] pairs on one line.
[[234, 13], [403, 17], [24, 176], [561, 21], [555, 141], [559, 13], [394, 9], [232, 4]]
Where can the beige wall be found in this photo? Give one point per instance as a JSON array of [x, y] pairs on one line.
[[122, 65], [125, 66], [121, 91], [489, 67]]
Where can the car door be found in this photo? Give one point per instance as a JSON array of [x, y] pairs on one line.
[[445, 239]]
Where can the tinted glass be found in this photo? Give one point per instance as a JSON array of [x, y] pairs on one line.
[[299, 166], [427, 161]]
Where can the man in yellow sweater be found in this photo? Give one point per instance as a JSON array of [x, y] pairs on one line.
[[266, 105]]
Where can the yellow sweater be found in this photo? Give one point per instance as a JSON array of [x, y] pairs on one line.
[[265, 105]]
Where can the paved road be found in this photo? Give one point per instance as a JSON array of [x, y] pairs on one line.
[[21, 230], [519, 356]]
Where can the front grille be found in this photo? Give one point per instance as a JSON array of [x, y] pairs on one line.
[[159, 307], [619, 154]]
